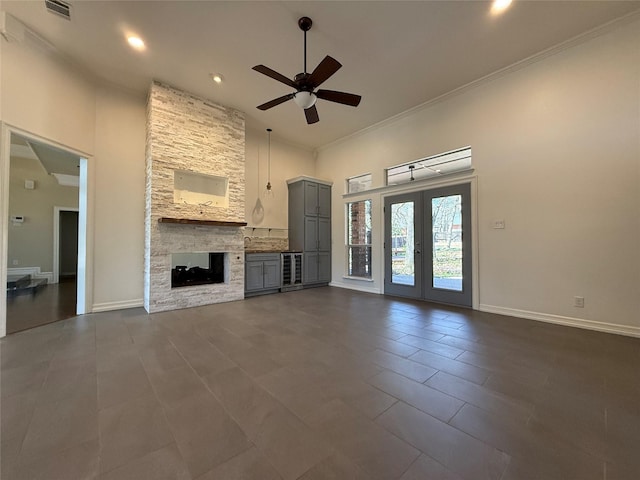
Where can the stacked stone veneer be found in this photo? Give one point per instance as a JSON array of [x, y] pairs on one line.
[[185, 132]]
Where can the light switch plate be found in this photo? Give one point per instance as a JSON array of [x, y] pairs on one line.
[[498, 224]]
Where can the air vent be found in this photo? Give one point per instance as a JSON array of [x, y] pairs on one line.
[[59, 8]]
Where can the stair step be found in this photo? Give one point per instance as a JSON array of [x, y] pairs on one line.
[[18, 281], [31, 288]]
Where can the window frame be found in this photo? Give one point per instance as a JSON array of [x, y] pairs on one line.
[[348, 183], [349, 235]]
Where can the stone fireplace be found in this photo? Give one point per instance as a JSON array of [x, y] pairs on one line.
[[194, 197]]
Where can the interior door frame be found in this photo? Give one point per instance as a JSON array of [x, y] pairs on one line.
[[56, 238], [85, 218], [432, 184]]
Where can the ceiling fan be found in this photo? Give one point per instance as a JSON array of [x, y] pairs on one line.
[[306, 84]]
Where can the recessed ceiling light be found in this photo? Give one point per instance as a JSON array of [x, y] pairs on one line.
[[500, 6], [136, 42], [217, 77]]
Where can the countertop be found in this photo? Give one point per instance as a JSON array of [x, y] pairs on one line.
[[247, 251]]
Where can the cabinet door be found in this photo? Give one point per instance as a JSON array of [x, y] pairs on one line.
[[324, 234], [310, 268], [310, 234], [324, 201], [324, 267], [253, 276], [271, 274], [310, 198]]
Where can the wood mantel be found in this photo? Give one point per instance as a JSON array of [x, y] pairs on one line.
[[209, 223]]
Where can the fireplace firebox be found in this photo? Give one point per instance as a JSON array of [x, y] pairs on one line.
[[197, 268]]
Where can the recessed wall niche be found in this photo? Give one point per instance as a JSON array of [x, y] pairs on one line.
[[199, 189]]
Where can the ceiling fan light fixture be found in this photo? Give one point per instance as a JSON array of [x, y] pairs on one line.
[[305, 99]]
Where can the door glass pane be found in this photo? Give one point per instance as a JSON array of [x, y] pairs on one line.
[[402, 244], [446, 228]]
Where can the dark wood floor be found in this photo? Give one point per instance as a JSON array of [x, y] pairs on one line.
[[51, 303], [318, 384]]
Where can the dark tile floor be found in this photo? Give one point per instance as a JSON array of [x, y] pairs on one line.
[[318, 384]]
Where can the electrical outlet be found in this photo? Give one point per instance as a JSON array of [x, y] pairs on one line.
[[578, 302], [14, 262], [498, 224]]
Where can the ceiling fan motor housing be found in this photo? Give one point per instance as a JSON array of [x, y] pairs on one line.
[[305, 24]]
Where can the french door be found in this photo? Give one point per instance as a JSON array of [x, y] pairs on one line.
[[428, 245]]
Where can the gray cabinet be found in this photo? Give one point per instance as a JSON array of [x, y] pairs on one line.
[[261, 273], [310, 228]]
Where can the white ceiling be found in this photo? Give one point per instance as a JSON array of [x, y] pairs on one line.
[[395, 54]]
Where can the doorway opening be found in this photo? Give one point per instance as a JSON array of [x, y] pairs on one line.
[[44, 244], [428, 245]]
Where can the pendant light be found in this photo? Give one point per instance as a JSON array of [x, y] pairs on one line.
[[268, 191]]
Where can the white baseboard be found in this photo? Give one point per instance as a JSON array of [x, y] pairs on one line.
[[352, 286], [561, 320], [33, 271], [108, 306]]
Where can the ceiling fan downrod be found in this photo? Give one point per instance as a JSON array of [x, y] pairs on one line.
[[305, 25]]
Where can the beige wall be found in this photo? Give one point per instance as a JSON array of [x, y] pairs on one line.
[[556, 153], [119, 199], [43, 95], [287, 161], [31, 242]]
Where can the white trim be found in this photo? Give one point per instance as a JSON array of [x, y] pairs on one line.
[[86, 196], [5, 156], [121, 305], [33, 271], [56, 239], [357, 279], [562, 320], [359, 288]]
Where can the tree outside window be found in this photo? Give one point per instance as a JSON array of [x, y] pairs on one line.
[[359, 239]]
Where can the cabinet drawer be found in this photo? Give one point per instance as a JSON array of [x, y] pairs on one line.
[[262, 257]]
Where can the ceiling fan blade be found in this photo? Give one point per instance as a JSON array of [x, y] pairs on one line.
[[339, 97], [312, 115], [276, 101], [275, 75], [327, 67]]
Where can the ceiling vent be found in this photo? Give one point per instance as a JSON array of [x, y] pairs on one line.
[[62, 9]]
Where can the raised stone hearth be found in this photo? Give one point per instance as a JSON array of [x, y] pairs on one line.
[[194, 137]]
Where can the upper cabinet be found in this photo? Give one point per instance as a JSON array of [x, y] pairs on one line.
[[317, 199]]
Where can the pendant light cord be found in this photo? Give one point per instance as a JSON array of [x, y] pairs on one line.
[[269, 158]]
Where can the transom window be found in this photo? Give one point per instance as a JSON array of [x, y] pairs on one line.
[[437, 165], [359, 183]]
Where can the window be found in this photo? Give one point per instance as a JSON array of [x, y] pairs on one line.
[[359, 183], [359, 239], [435, 166]]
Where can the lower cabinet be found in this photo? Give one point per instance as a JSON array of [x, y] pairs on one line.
[[317, 267], [261, 273]]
